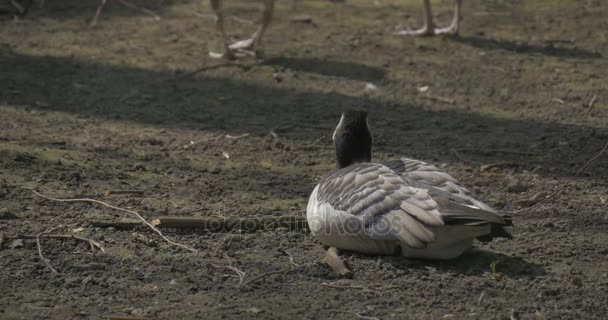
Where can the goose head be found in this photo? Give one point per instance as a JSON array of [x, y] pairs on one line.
[[352, 139]]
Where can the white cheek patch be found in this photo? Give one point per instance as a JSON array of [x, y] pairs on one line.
[[333, 136]]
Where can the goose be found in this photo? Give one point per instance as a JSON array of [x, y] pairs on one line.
[[402, 207], [429, 28], [243, 47]]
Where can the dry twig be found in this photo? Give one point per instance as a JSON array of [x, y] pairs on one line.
[[291, 258], [19, 7], [136, 214], [125, 3], [457, 154], [592, 102], [261, 276], [45, 260], [358, 315], [215, 66], [563, 185], [240, 136], [439, 99], [94, 244]]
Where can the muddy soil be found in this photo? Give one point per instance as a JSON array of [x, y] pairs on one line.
[[118, 107]]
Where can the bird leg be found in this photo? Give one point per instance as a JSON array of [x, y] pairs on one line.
[[454, 26], [243, 47], [256, 38], [333, 260], [429, 28], [218, 8]]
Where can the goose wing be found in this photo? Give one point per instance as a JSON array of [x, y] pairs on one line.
[[439, 183], [457, 204], [386, 206]]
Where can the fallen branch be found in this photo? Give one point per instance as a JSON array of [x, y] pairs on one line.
[[231, 223], [119, 209], [122, 224]]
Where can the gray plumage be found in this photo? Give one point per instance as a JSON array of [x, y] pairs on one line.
[[404, 205]]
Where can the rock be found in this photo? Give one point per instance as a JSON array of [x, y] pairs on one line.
[[370, 87]]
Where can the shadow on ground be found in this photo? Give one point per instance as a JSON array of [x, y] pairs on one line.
[[70, 9], [120, 92], [550, 49], [341, 69]]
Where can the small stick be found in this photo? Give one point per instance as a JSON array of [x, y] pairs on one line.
[[118, 209], [240, 273], [144, 10], [240, 136], [45, 260], [93, 23], [291, 258], [480, 297], [563, 185], [358, 315], [457, 154], [498, 151], [94, 244], [102, 4], [333, 260], [261, 276], [440, 99], [18, 6], [498, 165], [123, 224], [592, 102]]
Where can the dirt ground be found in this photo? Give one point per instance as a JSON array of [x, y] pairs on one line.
[[84, 111]]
